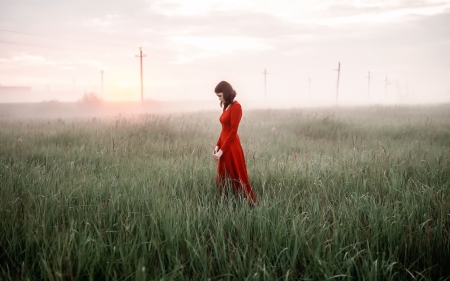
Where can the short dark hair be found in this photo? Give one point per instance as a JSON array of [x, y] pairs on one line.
[[228, 93]]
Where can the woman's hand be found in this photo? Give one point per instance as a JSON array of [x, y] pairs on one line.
[[218, 154], [216, 149]]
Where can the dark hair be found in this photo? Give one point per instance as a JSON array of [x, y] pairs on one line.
[[227, 92]]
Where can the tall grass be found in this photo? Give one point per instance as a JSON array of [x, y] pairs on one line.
[[350, 194]]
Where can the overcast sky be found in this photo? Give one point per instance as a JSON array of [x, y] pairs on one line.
[[190, 46]]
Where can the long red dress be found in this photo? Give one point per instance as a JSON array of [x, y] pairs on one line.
[[231, 166]]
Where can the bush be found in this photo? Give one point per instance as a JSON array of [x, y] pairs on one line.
[[91, 99]]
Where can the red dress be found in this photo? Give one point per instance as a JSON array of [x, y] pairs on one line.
[[231, 166]]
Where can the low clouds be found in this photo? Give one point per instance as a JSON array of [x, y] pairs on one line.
[[106, 21], [207, 46]]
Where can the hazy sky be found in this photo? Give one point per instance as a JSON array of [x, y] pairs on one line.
[[190, 46]]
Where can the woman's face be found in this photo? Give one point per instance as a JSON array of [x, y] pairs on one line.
[[220, 96]]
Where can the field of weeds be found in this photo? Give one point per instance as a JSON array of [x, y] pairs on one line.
[[344, 194]]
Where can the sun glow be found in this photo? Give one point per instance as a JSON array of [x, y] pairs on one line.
[[124, 91]]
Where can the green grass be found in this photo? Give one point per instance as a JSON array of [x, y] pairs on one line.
[[344, 194]]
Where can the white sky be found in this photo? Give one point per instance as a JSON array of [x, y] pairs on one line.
[[190, 46]]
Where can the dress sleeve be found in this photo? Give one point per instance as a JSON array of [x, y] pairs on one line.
[[218, 142], [235, 116]]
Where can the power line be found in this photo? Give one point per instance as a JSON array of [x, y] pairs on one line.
[[94, 51], [46, 46], [60, 38], [52, 47]]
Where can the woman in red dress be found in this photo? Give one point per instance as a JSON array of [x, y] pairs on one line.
[[228, 151]]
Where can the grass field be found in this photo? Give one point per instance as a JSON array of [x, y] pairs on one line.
[[344, 194]]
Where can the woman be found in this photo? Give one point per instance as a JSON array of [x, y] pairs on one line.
[[228, 151]]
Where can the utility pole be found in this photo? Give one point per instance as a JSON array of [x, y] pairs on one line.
[[102, 83], [385, 86], [142, 81], [337, 86], [397, 88], [309, 87], [368, 86], [265, 83]]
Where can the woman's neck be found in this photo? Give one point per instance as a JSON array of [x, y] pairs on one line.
[[228, 106]]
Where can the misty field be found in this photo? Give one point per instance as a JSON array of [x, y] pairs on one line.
[[344, 194]]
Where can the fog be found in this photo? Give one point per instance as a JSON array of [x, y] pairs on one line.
[[108, 110]]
